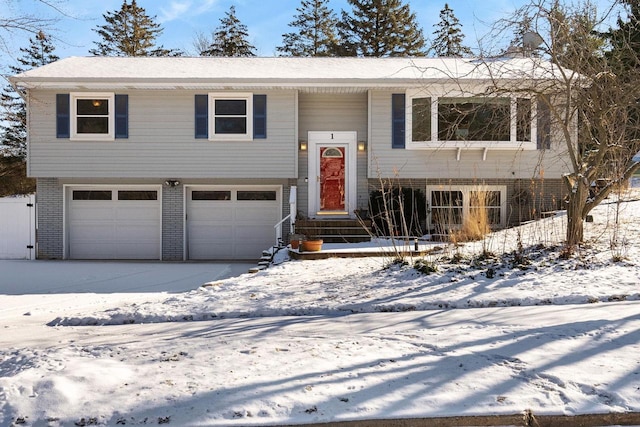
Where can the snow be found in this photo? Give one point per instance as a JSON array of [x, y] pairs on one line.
[[502, 326], [283, 71]]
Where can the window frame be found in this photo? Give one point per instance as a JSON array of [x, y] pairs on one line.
[[435, 142], [231, 96], [466, 191], [74, 98]]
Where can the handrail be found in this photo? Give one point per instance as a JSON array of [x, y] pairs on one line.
[[293, 209]]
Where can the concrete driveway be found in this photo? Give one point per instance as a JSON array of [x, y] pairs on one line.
[[58, 277]]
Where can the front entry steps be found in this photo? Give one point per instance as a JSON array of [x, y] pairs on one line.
[[267, 257], [336, 230]]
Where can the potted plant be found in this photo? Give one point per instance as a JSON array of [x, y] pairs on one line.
[[295, 239], [310, 241], [311, 244]]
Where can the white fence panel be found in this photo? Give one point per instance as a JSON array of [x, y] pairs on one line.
[[17, 227]]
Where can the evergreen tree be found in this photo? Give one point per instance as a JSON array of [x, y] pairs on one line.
[[230, 38], [448, 36], [624, 40], [130, 32], [13, 140], [315, 35], [380, 28]]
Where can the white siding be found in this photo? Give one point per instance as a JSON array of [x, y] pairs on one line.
[[333, 112], [443, 163], [161, 142]]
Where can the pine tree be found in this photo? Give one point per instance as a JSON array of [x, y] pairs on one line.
[[448, 36], [380, 28], [315, 35], [13, 142], [230, 38], [130, 32]]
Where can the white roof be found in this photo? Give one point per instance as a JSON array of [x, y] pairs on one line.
[[160, 72]]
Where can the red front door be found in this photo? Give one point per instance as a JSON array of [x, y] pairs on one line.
[[332, 179]]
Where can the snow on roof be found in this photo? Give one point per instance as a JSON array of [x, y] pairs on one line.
[[277, 71]]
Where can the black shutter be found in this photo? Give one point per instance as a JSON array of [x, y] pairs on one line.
[[398, 120], [63, 115], [202, 116], [543, 125], [259, 116], [122, 116]]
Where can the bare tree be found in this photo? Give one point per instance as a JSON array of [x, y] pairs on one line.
[[18, 18], [591, 94]]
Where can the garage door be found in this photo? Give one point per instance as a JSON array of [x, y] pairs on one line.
[[114, 223], [231, 223]]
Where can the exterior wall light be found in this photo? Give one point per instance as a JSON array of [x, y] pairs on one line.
[[362, 145], [303, 145], [172, 183]]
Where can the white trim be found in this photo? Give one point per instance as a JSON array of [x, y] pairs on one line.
[[230, 96], [466, 189], [66, 199], [73, 114], [348, 140]]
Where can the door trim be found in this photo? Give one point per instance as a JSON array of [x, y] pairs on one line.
[[348, 140]]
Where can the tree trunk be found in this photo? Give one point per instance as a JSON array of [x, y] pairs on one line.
[[575, 212]]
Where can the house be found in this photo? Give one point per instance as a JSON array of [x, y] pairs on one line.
[[205, 158]]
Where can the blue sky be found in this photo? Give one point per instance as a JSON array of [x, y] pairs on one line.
[[266, 20]]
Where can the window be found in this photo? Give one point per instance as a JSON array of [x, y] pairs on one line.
[[478, 121], [92, 195], [231, 116], [446, 210], [210, 195], [421, 124], [256, 195], [474, 119], [137, 195], [449, 207], [92, 116], [489, 201]]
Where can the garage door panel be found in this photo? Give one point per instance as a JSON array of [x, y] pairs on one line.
[[255, 232], [262, 214], [212, 211], [144, 213], [210, 250], [91, 213], [91, 233], [127, 250], [89, 250], [137, 232], [114, 229]]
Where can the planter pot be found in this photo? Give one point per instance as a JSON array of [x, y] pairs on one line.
[[311, 245], [294, 241]]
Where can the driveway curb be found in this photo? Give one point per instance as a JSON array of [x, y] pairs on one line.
[[526, 419]]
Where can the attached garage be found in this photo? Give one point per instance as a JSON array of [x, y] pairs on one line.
[[114, 223], [231, 222]]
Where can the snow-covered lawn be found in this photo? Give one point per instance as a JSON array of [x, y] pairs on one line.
[[500, 327]]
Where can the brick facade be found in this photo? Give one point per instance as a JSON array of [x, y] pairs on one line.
[[50, 219], [172, 223]]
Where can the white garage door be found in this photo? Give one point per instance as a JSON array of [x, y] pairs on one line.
[[114, 223], [231, 223]]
